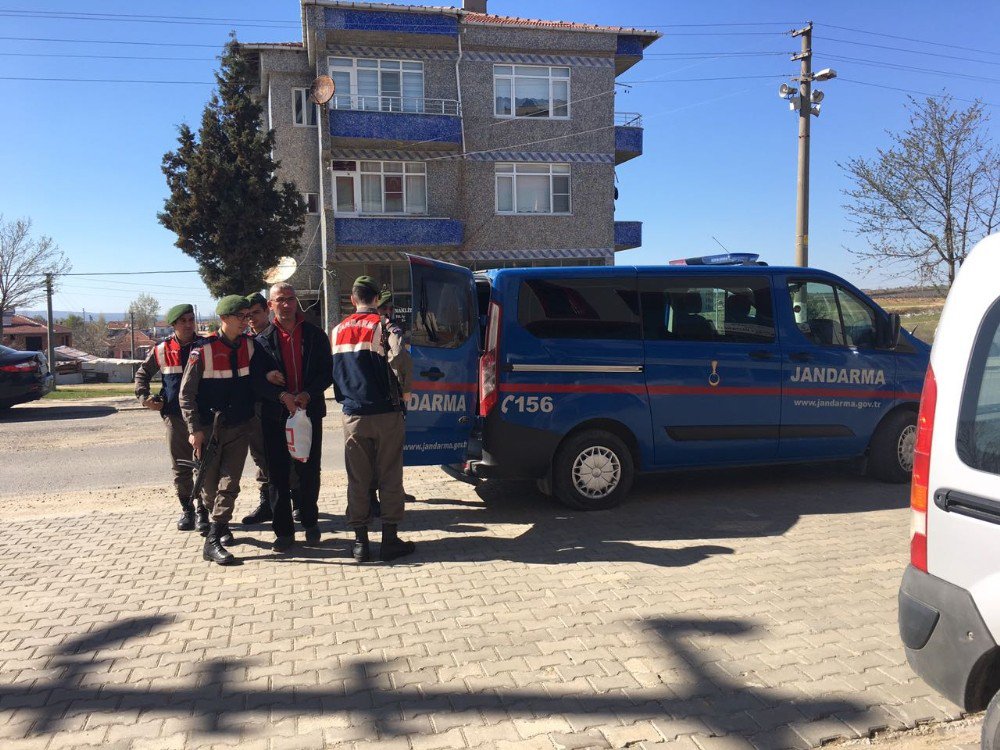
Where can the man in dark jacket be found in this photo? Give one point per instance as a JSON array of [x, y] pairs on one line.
[[292, 372], [169, 357]]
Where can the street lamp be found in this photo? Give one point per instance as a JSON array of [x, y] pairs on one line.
[[807, 103]]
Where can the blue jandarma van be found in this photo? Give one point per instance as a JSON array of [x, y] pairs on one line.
[[581, 377]]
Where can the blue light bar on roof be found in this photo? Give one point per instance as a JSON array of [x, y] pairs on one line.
[[722, 259]]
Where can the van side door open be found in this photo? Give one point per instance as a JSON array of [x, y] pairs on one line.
[[444, 344]]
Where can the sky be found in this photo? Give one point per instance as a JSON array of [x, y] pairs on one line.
[[82, 158]]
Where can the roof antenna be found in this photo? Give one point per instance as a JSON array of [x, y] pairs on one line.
[[720, 244]]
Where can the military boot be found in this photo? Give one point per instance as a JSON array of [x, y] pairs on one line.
[[225, 535], [392, 546], [361, 551], [262, 514], [202, 519], [185, 522], [213, 550]]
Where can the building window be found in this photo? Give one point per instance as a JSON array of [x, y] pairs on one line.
[[378, 85], [303, 110], [380, 187], [311, 201], [530, 91], [533, 188]]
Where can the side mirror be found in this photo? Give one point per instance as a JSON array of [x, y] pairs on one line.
[[889, 329]]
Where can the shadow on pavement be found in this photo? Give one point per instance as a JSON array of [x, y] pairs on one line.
[[663, 509], [29, 413], [702, 699]]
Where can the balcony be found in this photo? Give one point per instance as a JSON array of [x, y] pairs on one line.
[[628, 136], [398, 120], [628, 52], [628, 234], [392, 231]]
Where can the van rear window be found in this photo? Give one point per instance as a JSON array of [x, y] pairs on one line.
[[978, 434], [598, 308]]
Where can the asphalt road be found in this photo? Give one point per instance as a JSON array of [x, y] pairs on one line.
[[74, 445]]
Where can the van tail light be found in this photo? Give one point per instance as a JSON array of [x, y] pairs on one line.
[[921, 472], [20, 367], [489, 384]]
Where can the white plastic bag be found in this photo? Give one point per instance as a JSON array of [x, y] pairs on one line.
[[298, 435]]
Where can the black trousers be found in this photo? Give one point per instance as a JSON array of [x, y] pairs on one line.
[[281, 466]]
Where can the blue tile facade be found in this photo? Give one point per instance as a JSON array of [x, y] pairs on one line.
[[392, 232], [628, 142], [628, 234], [398, 23], [395, 126], [629, 45]]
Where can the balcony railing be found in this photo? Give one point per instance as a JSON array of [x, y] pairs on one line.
[[628, 119], [407, 104]]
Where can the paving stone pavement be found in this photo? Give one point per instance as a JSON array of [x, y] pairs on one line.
[[737, 609]]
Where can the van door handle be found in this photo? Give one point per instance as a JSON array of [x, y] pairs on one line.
[[761, 354], [432, 374], [800, 357]]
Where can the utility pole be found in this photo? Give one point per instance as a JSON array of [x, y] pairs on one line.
[[805, 111], [131, 328], [51, 335]]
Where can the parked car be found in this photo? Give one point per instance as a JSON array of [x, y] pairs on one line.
[[580, 378], [949, 599], [24, 376]]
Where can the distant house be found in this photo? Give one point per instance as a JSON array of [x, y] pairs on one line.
[[29, 335], [120, 343]]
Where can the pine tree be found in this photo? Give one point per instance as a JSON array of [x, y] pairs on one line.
[[225, 206]]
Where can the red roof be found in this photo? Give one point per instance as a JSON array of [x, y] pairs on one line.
[[493, 20], [25, 326]]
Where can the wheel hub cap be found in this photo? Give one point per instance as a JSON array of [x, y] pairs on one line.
[[904, 449], [596, 472]]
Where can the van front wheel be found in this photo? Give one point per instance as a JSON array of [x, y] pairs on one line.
[[592, 471], [891, 456]]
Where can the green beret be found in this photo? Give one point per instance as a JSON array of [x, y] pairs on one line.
[[231, 304], [256, 299], [176, 311], [367, 282]]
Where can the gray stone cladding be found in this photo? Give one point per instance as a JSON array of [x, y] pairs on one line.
[[464, 189]]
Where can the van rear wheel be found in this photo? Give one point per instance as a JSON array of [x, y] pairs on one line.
[[991, 725], [592, 471], [891, 455]]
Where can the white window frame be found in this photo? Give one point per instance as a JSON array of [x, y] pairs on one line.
[[551, 73], [310, 112], [306, 200], [411, 169], [337, 64], [511, 171]]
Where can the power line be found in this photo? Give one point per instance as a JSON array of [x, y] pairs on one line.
[[690, 80], [104, 80], [104, 57], [913, 91], [118, 273], [104, 41], [77, 17], [138, 15], [902, 49], [911, 39], [912, 69]]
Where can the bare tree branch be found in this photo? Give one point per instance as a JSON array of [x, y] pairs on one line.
[[24, 261]]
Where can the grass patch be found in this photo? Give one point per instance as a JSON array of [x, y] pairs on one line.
[[92, 390]]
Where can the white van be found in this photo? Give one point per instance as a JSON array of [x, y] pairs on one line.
[[949, 600]]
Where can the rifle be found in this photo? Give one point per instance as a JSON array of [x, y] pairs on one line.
[[209, 456]]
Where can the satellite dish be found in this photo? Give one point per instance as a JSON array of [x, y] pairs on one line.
[[281, 272], [322, 90]]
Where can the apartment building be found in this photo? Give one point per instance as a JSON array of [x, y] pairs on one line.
[[454, 133]]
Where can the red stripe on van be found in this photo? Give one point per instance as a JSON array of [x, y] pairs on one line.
[[428, 385]]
